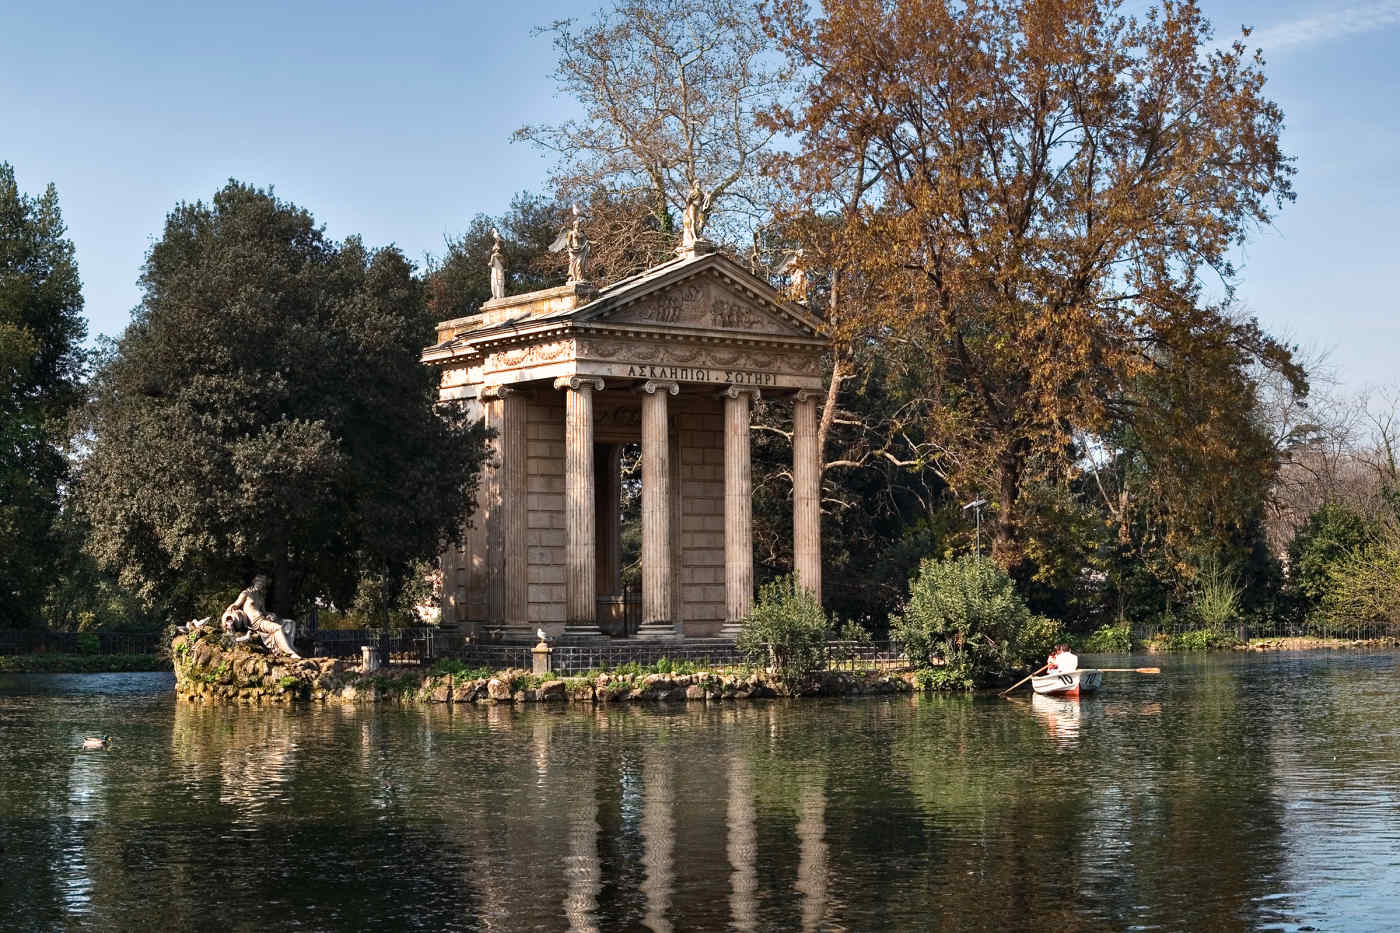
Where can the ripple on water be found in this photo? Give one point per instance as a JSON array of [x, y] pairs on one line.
[[1231, 792]]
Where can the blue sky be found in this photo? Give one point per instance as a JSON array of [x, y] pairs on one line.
[[393, 121]]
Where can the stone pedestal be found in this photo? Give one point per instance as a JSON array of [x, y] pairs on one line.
[[540, 658]]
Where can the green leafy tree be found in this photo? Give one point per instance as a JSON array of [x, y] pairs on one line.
[[42, 365], [1331, 534], [265, 411], [965, 616], [786, 631]]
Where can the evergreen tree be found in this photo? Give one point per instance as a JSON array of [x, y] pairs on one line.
[[266, 412], [42, 365]]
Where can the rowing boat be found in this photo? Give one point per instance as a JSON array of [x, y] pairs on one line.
[[1068, 684]]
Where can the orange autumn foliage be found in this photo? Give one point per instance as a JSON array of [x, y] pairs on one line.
[[1024, 198]]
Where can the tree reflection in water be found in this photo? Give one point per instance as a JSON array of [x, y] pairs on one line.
[[1159, 802]]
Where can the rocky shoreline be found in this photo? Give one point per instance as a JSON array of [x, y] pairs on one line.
[[207, 670]]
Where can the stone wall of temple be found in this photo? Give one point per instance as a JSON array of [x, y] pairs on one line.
[[545, 538], [701, 477]]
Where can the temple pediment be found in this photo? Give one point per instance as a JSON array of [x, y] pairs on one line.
[[702, 303], [700, 318]]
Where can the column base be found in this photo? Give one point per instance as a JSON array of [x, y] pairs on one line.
[[582, 632], [517, 632], [730, 631], [658, 631]]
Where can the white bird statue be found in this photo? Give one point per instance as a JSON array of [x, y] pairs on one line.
[[541, 634]]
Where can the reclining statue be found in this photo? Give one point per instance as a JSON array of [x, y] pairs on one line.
[[248, 614]]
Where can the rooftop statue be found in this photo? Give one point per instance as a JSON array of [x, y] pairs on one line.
[[796, 270], [693, 218], [498, 266], [248, 614], [575, 243]]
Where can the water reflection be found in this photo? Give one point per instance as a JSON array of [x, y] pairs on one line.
[[1230, 793], [1061, 718], [742, 845]]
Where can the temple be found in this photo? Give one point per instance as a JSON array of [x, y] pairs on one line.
[[671, 359]]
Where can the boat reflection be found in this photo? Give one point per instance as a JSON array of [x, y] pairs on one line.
[[1061, 716]]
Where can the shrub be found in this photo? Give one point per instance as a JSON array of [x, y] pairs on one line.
[[1362, 590], [786, 631], [1216, 601], [966, 613], [1110, 639], [1038, 637], [1202, 639]]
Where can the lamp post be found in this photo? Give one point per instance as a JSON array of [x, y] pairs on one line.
[[976, 506]]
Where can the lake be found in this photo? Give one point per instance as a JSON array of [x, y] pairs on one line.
[[1234, 791]]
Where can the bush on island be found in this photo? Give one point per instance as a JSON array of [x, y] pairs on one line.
[[965, 617], [786, 632], [1110, 639]]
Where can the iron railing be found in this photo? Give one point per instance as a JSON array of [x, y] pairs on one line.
[[400, 646], [43, 641]]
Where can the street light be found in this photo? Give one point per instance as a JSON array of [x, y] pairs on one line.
[[976, 505]]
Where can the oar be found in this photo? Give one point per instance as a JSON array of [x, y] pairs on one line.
[[1024, 679], [1132, 670]]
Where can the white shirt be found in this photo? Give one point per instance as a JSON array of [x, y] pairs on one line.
[[1064, 662]]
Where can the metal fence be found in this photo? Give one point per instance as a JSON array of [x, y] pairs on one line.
[[400, 646], [1276, 628], [43, 641], [702, 652]]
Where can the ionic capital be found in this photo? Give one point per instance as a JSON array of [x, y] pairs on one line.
[[808, 395], [579, 382], [734, 391], [498, 391], [651, 387]]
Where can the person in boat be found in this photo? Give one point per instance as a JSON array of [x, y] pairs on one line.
[[1062, 660]]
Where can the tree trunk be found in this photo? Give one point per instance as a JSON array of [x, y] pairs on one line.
[[1006, 543]]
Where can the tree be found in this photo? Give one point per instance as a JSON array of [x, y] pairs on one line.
[[42, 366], [670, 91], [266, 411], [622, 242], [1029, 193]]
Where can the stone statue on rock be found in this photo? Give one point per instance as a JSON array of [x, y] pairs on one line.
[[248, 616]]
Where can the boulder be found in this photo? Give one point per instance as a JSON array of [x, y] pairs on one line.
[[551, 691], [498, 690]]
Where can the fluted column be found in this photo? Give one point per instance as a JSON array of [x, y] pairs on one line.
[[493, 532], [656, 513], [515, 514], [580, 505], [738, 509], [806, 494]]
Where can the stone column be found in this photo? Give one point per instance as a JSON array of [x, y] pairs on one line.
[[493, 537], [656, 513], [738, 509], [515, 513], [806, 494], [580, 533]]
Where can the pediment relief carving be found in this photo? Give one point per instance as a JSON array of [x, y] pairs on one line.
[[704, 306]]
